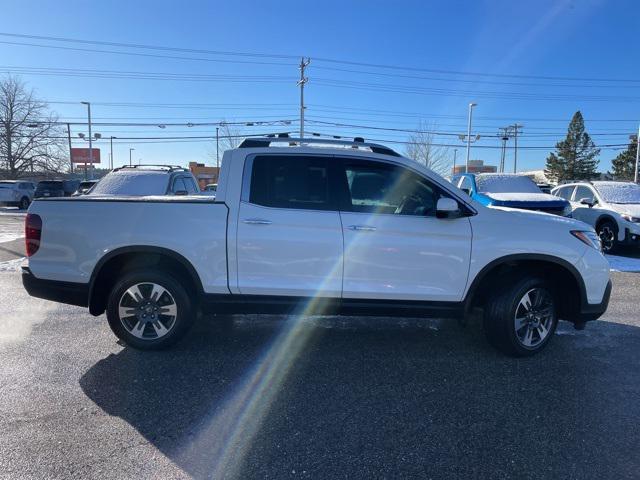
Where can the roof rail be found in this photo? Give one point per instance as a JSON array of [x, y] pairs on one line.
[[358, 142], [564, 182], [170, 168]]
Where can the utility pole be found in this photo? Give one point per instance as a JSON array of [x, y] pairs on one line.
[[130, 150], [88, 104], [69, 138], [471, 105], [503, 153], [303, 80], [515, 127], [111, 154], [455, 154], [217, 149], [635, 176]]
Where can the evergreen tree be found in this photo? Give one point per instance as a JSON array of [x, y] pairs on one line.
[[624, 165], [576, 157]]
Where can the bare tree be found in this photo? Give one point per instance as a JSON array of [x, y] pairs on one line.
[[229, 138], [30, 141], [422, 149]]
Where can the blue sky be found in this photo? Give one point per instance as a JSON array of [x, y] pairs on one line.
[[534, 63]]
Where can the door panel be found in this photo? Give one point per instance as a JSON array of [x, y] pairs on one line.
[[395, 247], [405, 257], [289, 237]]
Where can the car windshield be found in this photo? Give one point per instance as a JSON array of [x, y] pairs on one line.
[[505, 184], [133, 183], [619, 192]]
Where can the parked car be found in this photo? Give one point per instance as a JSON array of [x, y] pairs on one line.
[[348, 228], [510, 190], [84, 187], [56, 188], [16, 193], [612, 208], [146, 180]]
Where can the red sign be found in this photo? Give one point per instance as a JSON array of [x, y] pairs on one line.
[[81, 155]]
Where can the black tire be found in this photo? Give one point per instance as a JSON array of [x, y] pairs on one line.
[[144, 280], [500, 317], [24, 203], [608, 233]]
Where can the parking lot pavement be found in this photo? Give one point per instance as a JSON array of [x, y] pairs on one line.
[[273, 397]]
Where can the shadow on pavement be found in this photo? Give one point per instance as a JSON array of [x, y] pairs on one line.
[[382, 398]]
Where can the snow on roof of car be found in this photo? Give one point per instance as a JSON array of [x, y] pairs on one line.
[[505, 183], [132, 183], [618, 192]]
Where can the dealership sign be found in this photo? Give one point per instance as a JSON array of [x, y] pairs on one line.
[[81, 155]]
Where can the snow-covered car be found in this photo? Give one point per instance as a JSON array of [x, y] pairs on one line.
[[16, 193], [316, 227], [510, 190], [146, 180], [612, 208]]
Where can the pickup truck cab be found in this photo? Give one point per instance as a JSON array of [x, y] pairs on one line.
[[305, 226], [510, 190]]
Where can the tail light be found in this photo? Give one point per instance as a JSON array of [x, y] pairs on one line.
[[32, 233]]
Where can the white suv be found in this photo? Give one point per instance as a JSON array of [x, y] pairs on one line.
[[16, 193], [612, 208]]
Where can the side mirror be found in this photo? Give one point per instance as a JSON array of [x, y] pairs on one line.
[[181, 192], [447, 208], [588, 201], [466, 190]]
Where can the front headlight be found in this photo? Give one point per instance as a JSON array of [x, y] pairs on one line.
[[589, 238], [630, 218]]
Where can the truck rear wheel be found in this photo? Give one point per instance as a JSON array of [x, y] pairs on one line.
[[521, 319], [149, 309]]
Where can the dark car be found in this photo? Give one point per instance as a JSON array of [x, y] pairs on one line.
[[56, 188], [84, 187]]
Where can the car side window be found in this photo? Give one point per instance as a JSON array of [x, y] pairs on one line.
[[291, 182], [465, 184], [377, 187], [190, 185], [582, 192], [178, 185], [564, 192]]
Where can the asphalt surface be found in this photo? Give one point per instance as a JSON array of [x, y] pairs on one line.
[[275, 397]]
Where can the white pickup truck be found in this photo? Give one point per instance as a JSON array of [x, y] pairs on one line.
[[325, 227]]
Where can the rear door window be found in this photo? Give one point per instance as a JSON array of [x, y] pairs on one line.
[[295, 182], [583, 192], [564, 192]]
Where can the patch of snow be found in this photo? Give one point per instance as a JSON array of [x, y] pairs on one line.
[[505, 183], [10, 232], [12, 211], [623, 264], [618, 192], [12, 265], [132, 183], [523, 197]]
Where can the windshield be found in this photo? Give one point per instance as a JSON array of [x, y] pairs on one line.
[[132, 183], [619, 192], [505, 184]]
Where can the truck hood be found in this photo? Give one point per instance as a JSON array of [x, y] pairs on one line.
[[516, 217], [531, 200]]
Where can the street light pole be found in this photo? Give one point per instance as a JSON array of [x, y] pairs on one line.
[[69, 138], [217, 148], [635, 176], [455, 154], [471, 105], [130, 150], [88, 104], [111, 154]]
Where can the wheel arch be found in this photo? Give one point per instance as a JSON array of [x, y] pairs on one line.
[[137, 256], [503, 269]]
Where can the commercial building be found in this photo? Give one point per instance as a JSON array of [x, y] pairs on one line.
[[204, 174], [475, 166]]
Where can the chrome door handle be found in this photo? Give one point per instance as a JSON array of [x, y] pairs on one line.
[[256, 221], [362, 228]]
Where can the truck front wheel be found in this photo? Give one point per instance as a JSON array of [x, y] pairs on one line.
[[149, 309], [520, 319]]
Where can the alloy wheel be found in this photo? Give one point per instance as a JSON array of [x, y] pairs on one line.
[[534, 317], [147, 311], [607, 238]]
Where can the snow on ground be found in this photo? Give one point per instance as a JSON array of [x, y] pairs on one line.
[[12, 265], [623, 264], [12, 211], [11, 231]]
